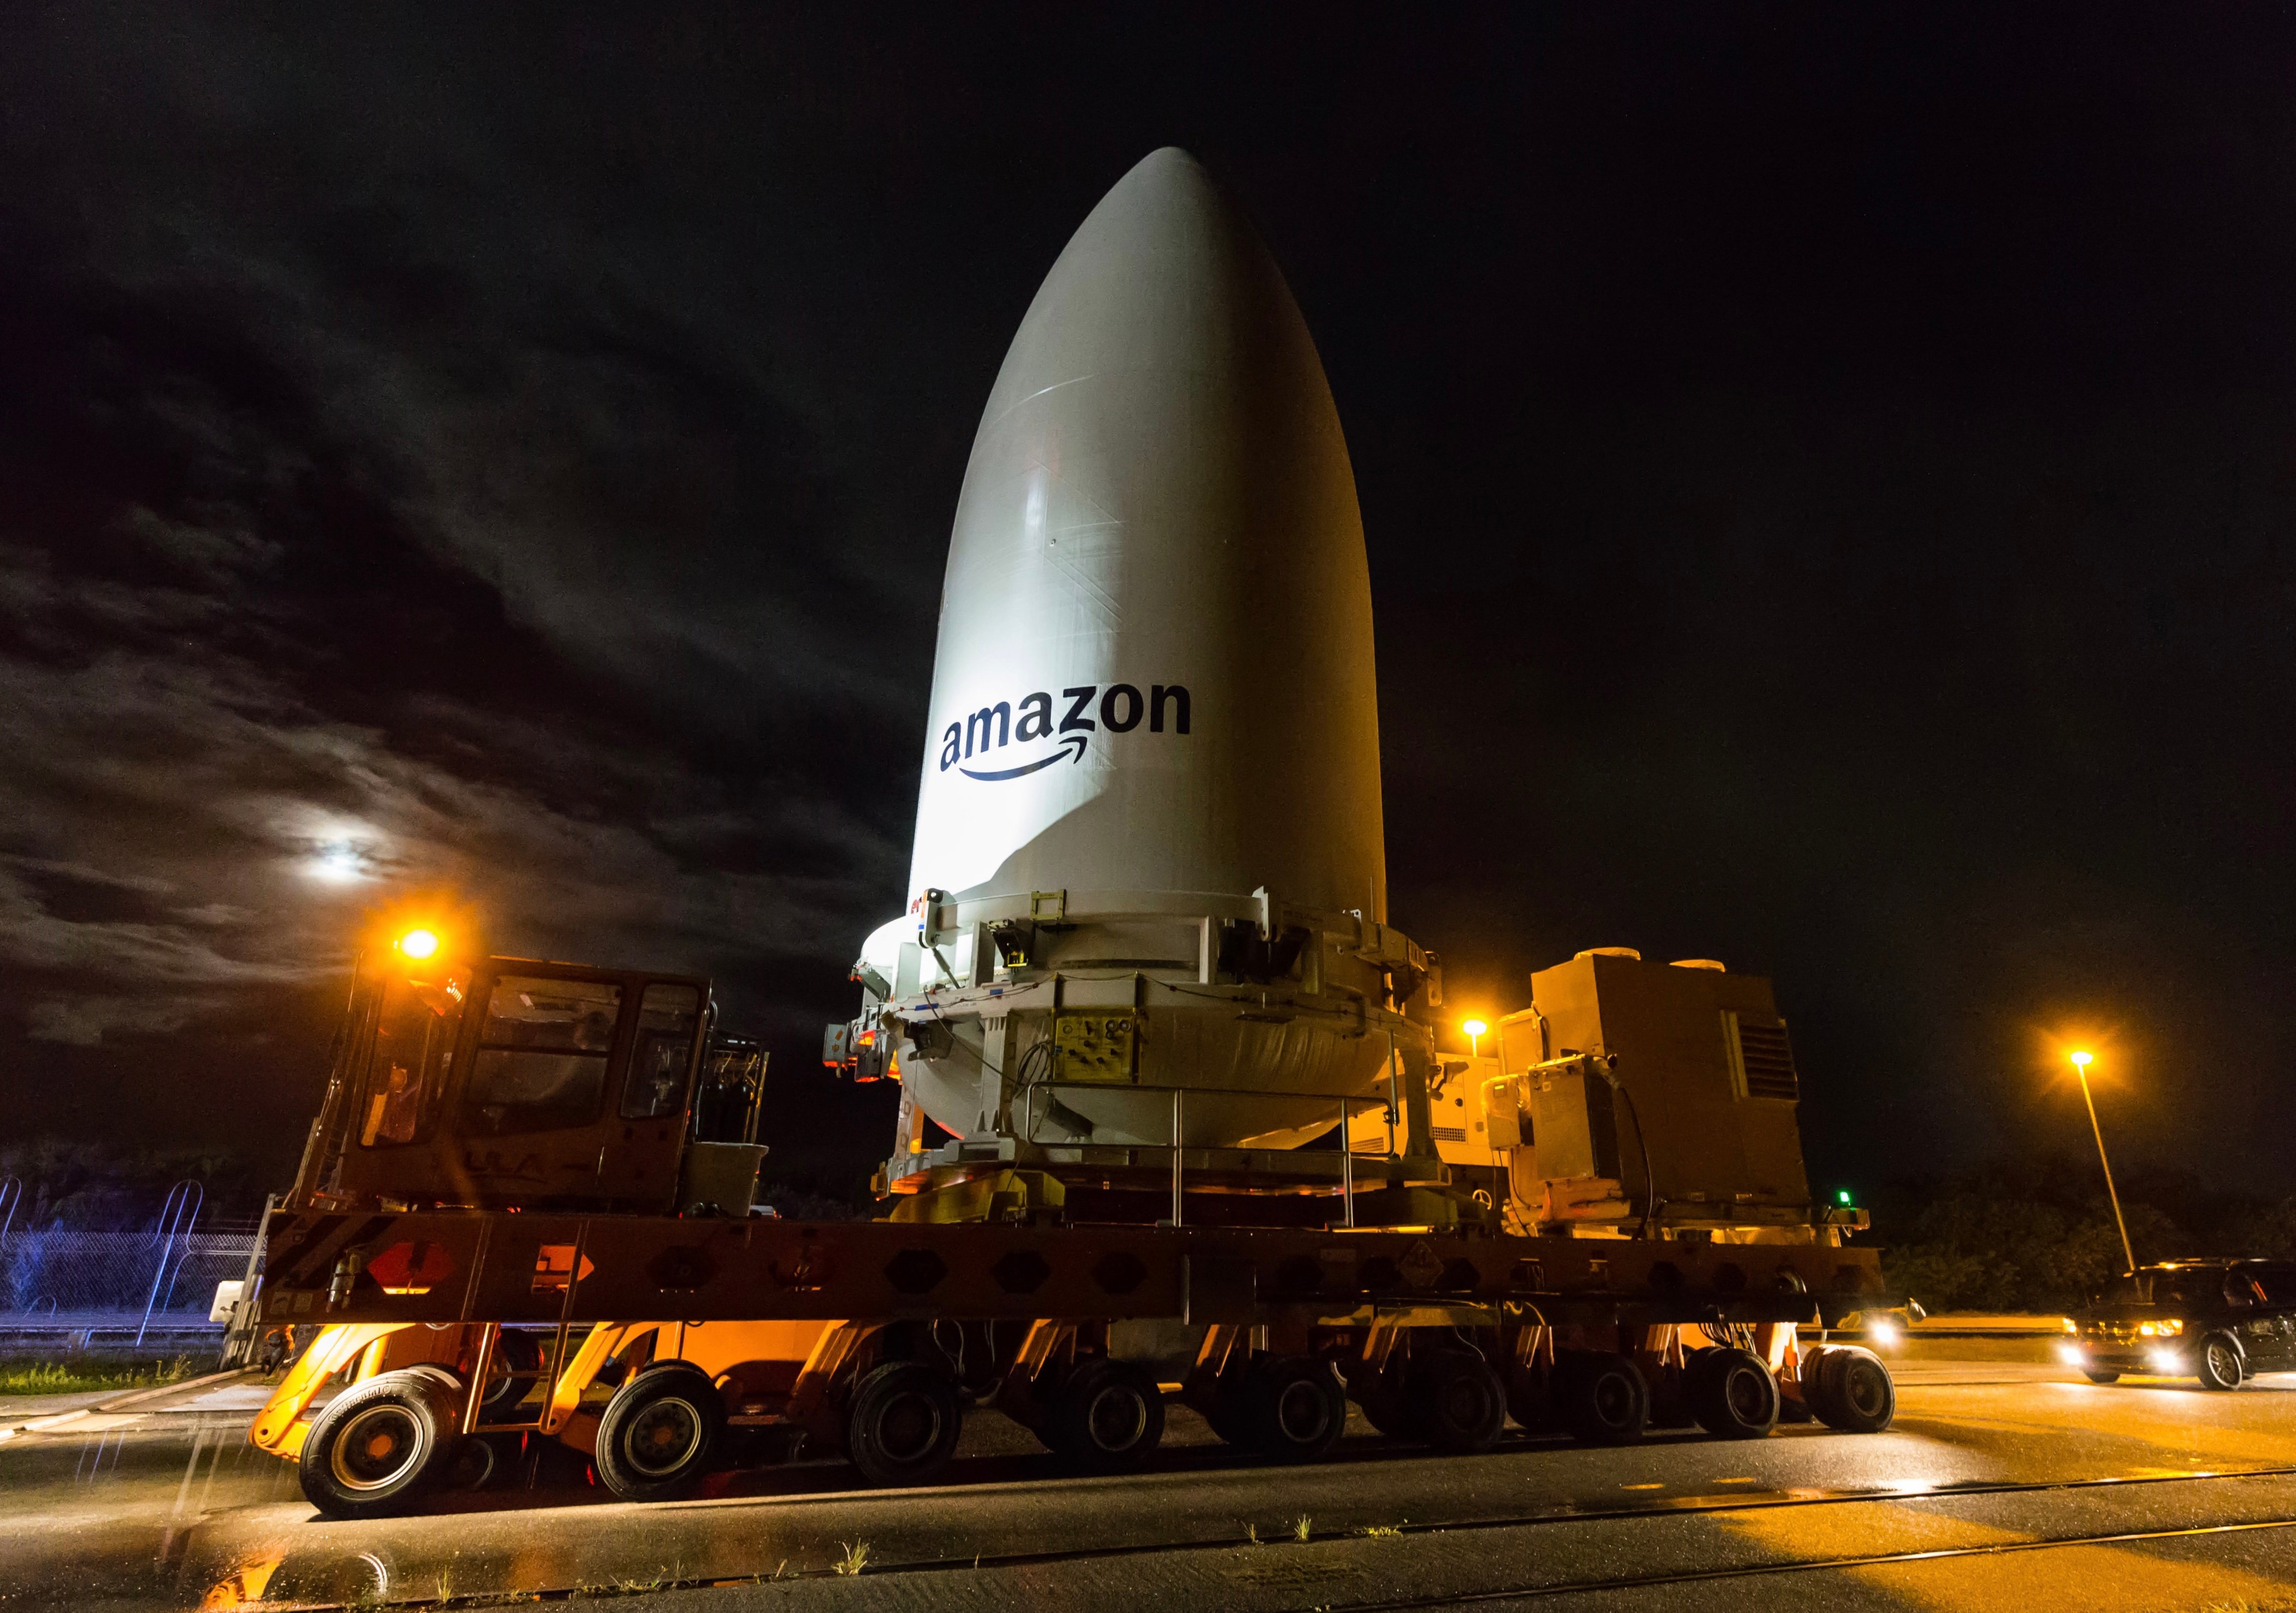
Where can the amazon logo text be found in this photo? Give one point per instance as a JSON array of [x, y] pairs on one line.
[[1118, 709]]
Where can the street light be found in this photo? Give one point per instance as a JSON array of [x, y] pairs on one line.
[[1476, 1031], [2082, 1061]]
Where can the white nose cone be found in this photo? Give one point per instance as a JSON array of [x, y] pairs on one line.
[[1154, 682]]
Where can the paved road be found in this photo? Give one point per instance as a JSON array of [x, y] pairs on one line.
[[2003, 1486]]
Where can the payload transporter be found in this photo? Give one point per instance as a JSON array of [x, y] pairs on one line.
[[1177, 1115]]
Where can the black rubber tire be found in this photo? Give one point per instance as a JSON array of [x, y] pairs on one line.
[[902, 1422], [1669, 1403], [660, 1433], [482, 1461], [1455, 1402], [1602, 1397], [1809, 1379], [2217, 1362], [2102, 1376], [1108, 1416], [1226, 1415], [380, 1446], [1860, 1395], [521, 1352], [1731, 1393], [1294, 1408], [1380, 1397], [1530, 1401]]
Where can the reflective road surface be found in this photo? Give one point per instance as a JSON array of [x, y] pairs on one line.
[[2003, 1486]]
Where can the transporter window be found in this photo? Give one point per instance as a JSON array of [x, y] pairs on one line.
[[413, 1054], [542, 1053], [669, 1015]]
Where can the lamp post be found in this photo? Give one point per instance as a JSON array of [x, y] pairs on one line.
[[1476, 1031], [2082, 1061]]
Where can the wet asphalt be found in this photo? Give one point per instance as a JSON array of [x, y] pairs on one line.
[[2003, 1484]]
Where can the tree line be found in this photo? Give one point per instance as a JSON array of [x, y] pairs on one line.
[[2038, 1235]]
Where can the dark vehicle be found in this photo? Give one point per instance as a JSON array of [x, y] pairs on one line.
[[2219, 1321]]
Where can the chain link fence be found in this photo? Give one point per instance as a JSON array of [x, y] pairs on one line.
[[72, 1275], [84, 1289]]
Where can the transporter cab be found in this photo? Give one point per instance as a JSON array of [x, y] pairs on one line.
[[526, 1216]]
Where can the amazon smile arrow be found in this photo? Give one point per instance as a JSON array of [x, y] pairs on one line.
[[1077, 754]]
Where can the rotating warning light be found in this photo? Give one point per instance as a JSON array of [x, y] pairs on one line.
[[1475, 1027], [419, 944], [2084, 1060]]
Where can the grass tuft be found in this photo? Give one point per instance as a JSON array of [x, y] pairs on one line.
[[1303, 1527], [855, 1557], [1380, 1531], [72, 1376]]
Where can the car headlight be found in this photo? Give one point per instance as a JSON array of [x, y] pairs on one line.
[[2159, 1329], [2071, 1326]]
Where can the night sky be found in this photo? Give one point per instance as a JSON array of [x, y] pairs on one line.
[[1828, 474]]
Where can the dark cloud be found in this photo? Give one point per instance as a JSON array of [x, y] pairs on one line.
[[360, 541], [1826, 480]]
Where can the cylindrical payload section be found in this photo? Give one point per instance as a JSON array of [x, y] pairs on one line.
[[1157, 596], [1154, 737]]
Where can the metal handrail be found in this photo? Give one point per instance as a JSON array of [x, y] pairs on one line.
[[1180, 1148]]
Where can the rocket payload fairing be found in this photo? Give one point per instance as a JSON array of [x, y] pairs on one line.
[[1158, 498], [1150, 796]]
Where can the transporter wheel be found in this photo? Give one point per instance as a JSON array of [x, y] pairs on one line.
[[902, 1423], [1531, 1400], [1731, 1393], [660, 1432], [380, 1445], [1226, 1415], [1379, 1396], [2218, 1363], [1109, 1414], [1860, 1397], [1294, 1408], [481, 1460], [1669, 1395], [513, 1353], [2102, 1376], [1809, 1376], [1456, 1401], [1602, 1397]]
